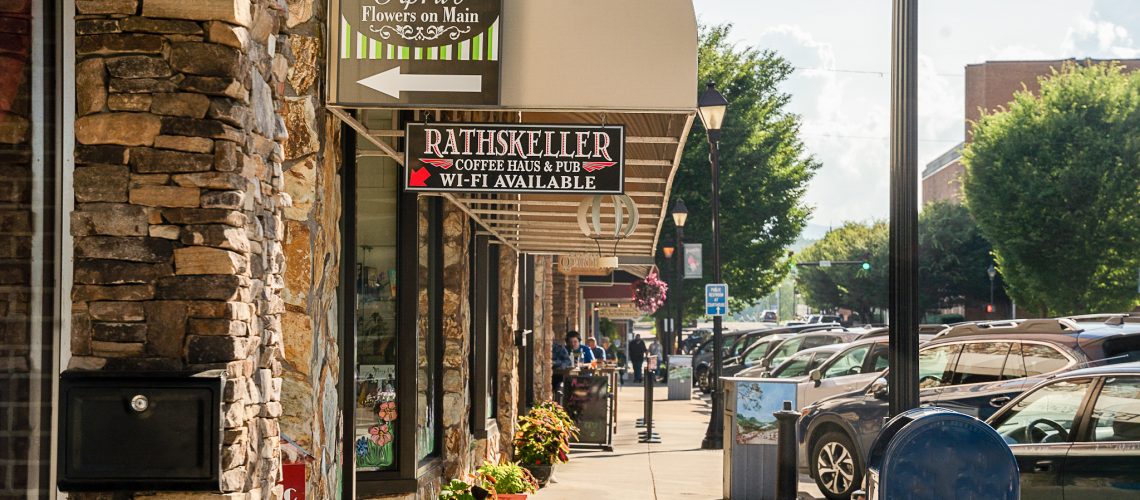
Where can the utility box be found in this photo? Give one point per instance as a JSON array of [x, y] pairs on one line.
[[933, 453], [750, 432], [680, 377], [140, 431]]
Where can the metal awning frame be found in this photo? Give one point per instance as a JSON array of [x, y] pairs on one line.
[[546, 224]]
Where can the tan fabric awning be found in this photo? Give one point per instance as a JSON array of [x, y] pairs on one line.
[[631, 62]]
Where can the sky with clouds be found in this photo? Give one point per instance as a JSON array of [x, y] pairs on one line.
[[841, 49]]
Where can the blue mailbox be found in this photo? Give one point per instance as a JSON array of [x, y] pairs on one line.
[[931, 453]]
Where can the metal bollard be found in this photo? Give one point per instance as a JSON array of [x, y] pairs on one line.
[[787, 485], [648, 436]]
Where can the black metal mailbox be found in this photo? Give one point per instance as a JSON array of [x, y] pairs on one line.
[[140, 431]]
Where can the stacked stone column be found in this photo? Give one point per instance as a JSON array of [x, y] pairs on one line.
[[178, 207]]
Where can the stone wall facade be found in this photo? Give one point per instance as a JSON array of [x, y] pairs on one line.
[[457, 439], [543, 329], [196, 131]]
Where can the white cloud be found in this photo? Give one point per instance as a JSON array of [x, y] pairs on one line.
[[841, 88]]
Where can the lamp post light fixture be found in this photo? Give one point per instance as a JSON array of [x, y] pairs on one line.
[[992, 272], [712, 107], [680, 215]]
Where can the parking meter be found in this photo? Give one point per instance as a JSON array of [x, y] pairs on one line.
[[931, 453]]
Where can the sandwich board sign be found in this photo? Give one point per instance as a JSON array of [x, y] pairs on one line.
[[414, 53], [716, 299]]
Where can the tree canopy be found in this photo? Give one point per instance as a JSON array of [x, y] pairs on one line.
[[847, 286], [952, 259], [1054, 183], [764, 171]]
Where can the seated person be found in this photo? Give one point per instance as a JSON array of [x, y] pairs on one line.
[[577, 350], [599, 352]]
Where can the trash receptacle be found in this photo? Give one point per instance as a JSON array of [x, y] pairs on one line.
[[750, 434], [680, 377], [932, 453]]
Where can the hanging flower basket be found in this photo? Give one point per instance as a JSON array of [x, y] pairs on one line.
[[649, 293]]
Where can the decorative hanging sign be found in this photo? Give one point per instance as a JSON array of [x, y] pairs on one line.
[[409, 53], [515, 158]]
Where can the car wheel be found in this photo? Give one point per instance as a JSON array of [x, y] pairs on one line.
[[836, 466]]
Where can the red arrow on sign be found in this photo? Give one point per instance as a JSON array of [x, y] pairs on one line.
[[418, 177]]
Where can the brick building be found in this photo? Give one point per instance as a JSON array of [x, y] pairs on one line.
[[989, 86], [180, 194]]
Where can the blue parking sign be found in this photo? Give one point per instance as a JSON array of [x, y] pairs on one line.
[[716, 299]]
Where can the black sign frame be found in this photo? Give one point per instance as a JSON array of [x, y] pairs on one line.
[[613, 174]]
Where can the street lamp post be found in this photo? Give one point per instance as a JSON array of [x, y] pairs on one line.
[[992, 272], [711, 106], [670, 332], [680, 215]]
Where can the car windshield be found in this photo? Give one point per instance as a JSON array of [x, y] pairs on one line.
[[786, 350], [801, 364], [759, 350]]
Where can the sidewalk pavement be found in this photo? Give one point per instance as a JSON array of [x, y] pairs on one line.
[[677, 468]]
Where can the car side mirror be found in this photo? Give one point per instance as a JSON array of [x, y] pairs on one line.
[[815, 376], [878, 388]]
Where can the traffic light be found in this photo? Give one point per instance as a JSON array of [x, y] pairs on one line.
[[866, 266], [989, 308]]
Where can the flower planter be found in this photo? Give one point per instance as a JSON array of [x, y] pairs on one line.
[[511, 496], [541, 473]]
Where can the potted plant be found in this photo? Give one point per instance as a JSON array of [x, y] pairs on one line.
[[509, 480], [459, 489], [543, 439]]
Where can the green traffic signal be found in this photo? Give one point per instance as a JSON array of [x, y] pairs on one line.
[[866, 266]]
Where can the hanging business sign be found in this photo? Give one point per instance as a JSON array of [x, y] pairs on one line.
[[515, 158], [414, 53]]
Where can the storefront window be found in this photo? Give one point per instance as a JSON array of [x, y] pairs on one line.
[[377, 409], [397, 290], [428, 324]]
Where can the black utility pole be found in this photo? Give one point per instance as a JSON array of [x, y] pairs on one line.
[[679, 269], [903, 267], [711, 105]]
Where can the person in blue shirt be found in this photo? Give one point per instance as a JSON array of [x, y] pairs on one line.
[[577, 350]]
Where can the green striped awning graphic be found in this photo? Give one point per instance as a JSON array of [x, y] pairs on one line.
[[357, 45]]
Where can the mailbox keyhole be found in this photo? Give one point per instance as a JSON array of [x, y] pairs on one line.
[[140, 403]]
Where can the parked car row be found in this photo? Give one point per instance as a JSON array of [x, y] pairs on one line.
[[978, 369]]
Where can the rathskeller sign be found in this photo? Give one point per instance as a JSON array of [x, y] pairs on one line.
[[413, 53], [515, 158]]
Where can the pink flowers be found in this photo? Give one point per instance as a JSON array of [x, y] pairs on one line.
[[387, 411], [380, 434], [649, 293]]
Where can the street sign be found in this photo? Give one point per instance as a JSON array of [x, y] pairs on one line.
[[716, 299], [412, 53], [515, 158], [825, 263]]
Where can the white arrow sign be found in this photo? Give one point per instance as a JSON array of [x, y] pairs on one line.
[[392, 82]]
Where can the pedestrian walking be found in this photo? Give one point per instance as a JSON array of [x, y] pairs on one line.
[[637, 351]]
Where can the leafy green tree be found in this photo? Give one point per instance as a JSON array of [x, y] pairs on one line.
[[764, 171], [848, 286], [953, 258], [1054, 183]]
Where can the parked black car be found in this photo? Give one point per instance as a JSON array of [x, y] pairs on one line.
[[971, 368], [1077, 435]]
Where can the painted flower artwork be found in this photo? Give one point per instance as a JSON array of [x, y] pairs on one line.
[[375, 445]]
